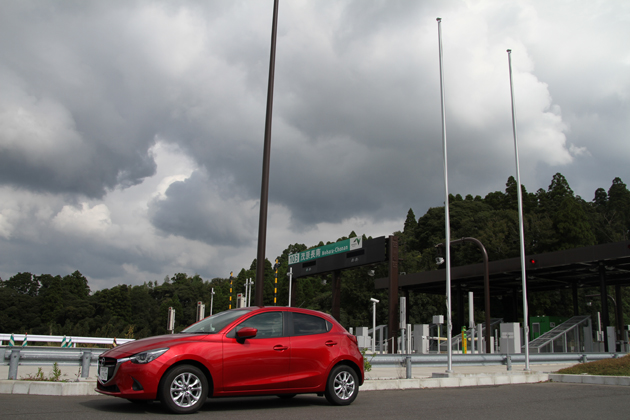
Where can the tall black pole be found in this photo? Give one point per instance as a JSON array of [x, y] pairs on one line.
[[264, 189]]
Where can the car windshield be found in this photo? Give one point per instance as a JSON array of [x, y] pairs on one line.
[[215, 323]]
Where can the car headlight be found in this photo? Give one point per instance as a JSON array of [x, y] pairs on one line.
[[146, 356]]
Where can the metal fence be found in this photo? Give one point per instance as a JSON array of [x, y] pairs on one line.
[[38, 356], [86, 357], [19, 338], [407, 360]]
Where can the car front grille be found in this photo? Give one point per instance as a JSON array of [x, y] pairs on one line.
[[109, 363]]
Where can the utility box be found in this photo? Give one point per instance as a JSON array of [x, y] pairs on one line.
[[240, 300], [421, 338], [364, 341], [201, 311], [510, 338], [612, 339]]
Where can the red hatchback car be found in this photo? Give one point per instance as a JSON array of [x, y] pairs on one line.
[[247, 351]]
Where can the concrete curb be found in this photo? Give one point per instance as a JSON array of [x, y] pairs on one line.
[[453, 381], [590, 379], [48, 388]]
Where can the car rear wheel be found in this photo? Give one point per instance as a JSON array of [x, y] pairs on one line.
[[184, 389], [342, 386]]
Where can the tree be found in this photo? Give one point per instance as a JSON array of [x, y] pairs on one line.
[[572, 226], [619, 209]]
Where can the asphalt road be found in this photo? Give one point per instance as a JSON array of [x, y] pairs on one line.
[[514, 402]]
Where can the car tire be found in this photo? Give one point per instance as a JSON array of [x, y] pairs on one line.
[[184, 389], [342, 385]]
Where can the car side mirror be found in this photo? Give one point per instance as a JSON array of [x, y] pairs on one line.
[[246, 332]]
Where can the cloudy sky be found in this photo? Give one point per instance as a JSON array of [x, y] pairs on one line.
[[131, 132]]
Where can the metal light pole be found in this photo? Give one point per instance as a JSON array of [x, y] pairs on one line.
[[249, 284], [264, 189], [520, 220], [486, 283], [211, 300], [449, 323], [290, 283], [374, 302]]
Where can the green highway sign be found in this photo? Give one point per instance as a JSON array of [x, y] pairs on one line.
[[326, 250]]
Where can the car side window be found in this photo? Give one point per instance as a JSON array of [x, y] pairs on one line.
[[308, 324], [269, 324]]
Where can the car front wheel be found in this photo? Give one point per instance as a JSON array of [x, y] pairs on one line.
[[342, 386], [184, 389]]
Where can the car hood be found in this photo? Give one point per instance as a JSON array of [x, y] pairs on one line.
[[150, 343]]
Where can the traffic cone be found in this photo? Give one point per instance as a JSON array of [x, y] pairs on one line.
[[11, 341], [63, 342], [114, 344], [69, 343], [25, 342]]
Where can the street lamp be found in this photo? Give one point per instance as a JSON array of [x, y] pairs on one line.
[[290, 274], [374, 302], [248, 289], [211, 300], [486, 282]]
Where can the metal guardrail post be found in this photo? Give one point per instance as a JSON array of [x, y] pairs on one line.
[[584, 358], [86, 358], [13, 363], [408, 365], [508, 361]]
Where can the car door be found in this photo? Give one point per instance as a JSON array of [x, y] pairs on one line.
[[313, 348], [258, 363]]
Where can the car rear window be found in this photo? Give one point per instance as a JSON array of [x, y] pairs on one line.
[[304, 324]]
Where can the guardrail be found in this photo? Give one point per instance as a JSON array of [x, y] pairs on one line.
[[59, 339], [409, 360], [85, 357], [37, 356]]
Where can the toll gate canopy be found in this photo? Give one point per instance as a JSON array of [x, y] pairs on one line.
[[574, 268]]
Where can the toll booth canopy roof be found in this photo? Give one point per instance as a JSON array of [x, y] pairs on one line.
[[582, 267]]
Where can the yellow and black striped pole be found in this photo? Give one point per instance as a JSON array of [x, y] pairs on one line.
[[231, 279], [275, 284]]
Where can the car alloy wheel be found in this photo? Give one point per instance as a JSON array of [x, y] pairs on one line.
[[342, 387], [184, 389]]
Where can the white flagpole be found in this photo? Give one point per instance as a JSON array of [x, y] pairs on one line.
[[520, 220], [447, 243]]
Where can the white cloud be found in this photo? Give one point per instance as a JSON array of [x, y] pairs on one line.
[[84, 221]]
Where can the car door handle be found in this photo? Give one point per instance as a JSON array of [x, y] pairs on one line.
[[330, 343], [280, 347]]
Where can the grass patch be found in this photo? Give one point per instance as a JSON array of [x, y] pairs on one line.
[[607, 367], [55, 375]]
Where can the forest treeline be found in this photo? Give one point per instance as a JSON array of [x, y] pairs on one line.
[[554, 219]]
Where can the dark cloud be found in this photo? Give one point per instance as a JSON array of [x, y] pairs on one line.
[[203, 209], [91, 92]]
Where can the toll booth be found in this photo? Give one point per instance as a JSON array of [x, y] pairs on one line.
[[240, 300]]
